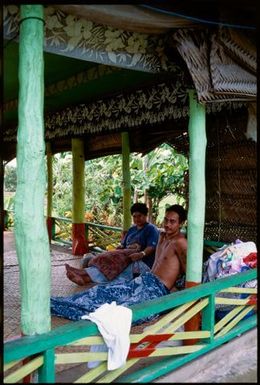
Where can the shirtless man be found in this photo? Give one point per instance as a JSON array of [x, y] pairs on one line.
[[170, 256], [170, 262]]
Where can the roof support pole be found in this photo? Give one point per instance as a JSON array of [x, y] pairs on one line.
[[30, 226], [196, 213], [126, 182], [79, 242], [49, 189]]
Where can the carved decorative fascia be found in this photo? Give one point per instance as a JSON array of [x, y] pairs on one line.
[[150, 106], [153, 105]]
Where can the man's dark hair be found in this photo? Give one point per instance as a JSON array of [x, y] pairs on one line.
[[140, 208], [179, 210]]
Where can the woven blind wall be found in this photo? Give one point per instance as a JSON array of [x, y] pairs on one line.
[[231, 179]]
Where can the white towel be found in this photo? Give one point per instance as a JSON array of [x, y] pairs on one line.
[[114, 323]]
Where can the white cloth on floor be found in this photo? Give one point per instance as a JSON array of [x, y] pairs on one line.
[[114, 323]]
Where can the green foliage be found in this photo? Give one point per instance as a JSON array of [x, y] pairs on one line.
[[10, 180], [163, 174], [9, 202], [103, 189], [9, 211], [160, 173], [62, 184]]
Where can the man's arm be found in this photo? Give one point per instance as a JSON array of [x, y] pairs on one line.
[[150, 239], [181, 248], [140, 254]]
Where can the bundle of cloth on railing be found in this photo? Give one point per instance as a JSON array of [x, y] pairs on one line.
[[114, 323], [231, 259]]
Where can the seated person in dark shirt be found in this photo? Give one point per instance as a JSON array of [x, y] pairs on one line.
[[138, 246]]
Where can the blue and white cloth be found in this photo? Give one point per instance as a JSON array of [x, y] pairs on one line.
[[145, 287]]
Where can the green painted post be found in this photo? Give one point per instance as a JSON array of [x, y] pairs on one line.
[[47, 371], [126, 181], [49, 190], [79, 242], [31, 236], [196, 212], [208, 318]]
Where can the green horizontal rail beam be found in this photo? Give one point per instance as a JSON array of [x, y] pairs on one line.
[[29, 345], [69, 220], [213, 243], [104, 226]]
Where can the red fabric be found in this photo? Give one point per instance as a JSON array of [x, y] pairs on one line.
[[79, 241], [49, 222], [112, 263], [251, 260]]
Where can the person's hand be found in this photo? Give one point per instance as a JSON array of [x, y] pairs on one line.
[[136, 256]]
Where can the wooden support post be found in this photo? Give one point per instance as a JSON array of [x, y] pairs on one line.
[[47, 371], [196, 213], [126, 182], [79, 242], [49, 190], [31, 236]]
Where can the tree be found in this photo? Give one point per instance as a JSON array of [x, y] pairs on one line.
[[164, 174], [62, 184]]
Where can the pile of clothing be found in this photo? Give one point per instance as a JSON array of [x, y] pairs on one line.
[[231, 259]]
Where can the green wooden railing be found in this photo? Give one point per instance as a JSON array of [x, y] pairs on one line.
[[96, 234], [177, 308]]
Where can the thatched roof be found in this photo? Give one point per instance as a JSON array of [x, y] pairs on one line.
[[222, 63]]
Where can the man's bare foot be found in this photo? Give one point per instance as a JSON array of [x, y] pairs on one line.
[[75, 278], [80, 277], [74, 269]]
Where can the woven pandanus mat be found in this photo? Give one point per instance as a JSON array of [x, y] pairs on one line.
[[232, 182], [229, 233]]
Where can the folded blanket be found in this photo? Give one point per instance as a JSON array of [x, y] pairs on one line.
[[112, 263]]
